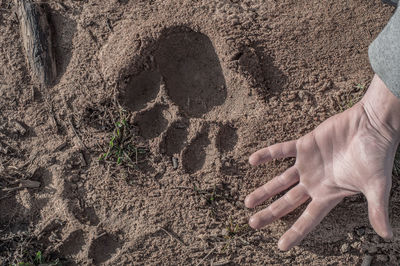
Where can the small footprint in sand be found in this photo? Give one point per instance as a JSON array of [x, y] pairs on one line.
[[103, 248]]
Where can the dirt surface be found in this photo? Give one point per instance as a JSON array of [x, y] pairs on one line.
[[202, 85]]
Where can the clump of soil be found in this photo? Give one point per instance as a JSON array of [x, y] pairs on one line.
[[203, 84]]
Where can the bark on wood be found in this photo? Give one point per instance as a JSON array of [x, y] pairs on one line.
[[36, 37]]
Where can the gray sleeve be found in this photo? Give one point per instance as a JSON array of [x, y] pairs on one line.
[[384, 54]]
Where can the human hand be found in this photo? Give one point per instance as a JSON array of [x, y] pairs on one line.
[[349, 153]]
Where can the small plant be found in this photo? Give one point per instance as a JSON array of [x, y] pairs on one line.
[[38, 259], [210, 196], [351, 98], [234, 231], [360, 86], [121, 149]]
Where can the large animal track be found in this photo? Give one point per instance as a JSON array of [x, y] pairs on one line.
[[172, 98]]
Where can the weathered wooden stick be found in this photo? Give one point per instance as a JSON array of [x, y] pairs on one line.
[[36, 37]]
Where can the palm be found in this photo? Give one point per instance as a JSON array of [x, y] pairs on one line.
[[343, 156]]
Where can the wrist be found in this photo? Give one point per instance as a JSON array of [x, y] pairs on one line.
[[383, 109]]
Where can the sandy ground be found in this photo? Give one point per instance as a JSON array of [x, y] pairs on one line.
[[200, 85]]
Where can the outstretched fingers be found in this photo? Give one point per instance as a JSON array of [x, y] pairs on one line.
[[310, 218], [279, 208], [273, 187], [276, 151]]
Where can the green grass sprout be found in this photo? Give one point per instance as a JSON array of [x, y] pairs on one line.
[[121, 148], [234, 231]]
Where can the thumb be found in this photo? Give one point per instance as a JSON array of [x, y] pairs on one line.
[[378, 211]]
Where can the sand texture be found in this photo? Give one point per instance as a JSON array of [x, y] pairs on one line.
[[201, 85]]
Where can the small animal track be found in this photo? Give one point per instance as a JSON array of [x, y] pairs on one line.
[[174, 139], [103, 248], [85, 215], [152, 122], [194, 157], [142, 89], [73, 244], [226, 138]]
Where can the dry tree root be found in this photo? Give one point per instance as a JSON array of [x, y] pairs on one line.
[[36, 37]]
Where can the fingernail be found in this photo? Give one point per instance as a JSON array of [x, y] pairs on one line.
[[388, 234], [247, 203], [282, 246], [252, 160], [253, 222]]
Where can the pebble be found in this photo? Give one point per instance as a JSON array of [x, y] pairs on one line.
[[154, 194], [356, 245], [202, 236], [175, 163], [19, 128], [292, 96], [73, 178], [235, 21], [367, 259], [344, 248], [372, 249], [360, 231], [381, 258], [376, 239], [203, 202], [350, 236], [393, 259]]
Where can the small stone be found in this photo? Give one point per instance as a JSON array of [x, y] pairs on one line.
[[19, 128], [372, 250], [360, 231], [203, 202], [235, 21], [376, 239], [393, 259], [302, 95], [154, 194], [236, 56], [83, 160], [356, 245], [73, 178], [344, 248], [175, 163], [60, 147], [215, 232], [202, 236], [29, 184], [367, 259], [292, 96], [350, 236], [382, 258]]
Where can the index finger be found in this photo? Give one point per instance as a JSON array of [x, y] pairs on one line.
[[276, 151]]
